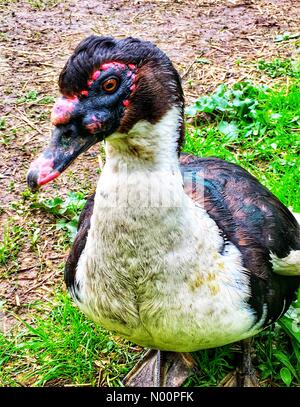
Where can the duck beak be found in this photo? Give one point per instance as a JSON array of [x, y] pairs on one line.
[[66, 144]]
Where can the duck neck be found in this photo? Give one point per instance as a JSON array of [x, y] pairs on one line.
[[142, 169], [146, 147]]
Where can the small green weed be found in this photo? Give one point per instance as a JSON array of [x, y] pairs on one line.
[[286, 36], [66, 211], [33, 96], [11, 242], [43, 4], [46, 100], [239, 100], [7, 134], [278, 357], [3, 124], [280, 68], [30, 96]]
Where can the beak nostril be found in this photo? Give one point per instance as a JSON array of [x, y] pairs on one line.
[[67, 133]]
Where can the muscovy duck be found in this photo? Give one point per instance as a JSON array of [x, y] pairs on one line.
[[176, 253]]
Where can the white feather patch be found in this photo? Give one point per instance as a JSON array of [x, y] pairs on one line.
[[289, 265], [297, 216]]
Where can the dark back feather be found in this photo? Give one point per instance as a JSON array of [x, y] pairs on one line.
[[254, 220]]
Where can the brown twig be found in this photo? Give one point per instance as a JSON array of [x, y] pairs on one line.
[[28, 121], [188, 69], [28, 268], [40, 283]]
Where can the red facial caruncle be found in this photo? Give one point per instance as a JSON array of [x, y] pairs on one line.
[[94, 124], [118, 66], [63, 109]]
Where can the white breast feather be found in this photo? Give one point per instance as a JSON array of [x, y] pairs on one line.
[[151, 270]]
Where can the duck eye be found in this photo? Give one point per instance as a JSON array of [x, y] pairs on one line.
[[110, 85]]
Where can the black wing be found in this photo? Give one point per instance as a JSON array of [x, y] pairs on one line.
[[78, 246], [254, 220]]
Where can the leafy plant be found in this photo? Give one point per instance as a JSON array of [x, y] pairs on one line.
[[67, 211], [278, 67], [239, 100], [46, 100], [30, 96], [33, 96], [278, 355]]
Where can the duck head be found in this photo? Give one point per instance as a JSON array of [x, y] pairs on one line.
[[107, 86]]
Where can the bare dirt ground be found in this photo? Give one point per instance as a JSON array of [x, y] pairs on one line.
[[210, 42]]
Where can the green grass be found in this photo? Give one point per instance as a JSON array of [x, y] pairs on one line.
[[63, 348], [254, 126]]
